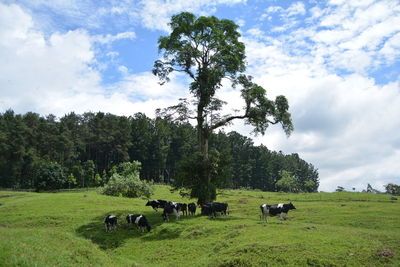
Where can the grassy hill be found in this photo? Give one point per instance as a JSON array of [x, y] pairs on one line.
[[327, 229]]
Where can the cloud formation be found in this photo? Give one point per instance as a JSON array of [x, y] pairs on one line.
[[57, 74], [345, 122]]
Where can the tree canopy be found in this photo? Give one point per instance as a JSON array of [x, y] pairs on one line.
[[93, 143]]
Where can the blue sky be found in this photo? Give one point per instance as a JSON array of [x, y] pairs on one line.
[[337, 62]]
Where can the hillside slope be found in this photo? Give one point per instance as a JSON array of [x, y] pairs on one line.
[[326, 229]]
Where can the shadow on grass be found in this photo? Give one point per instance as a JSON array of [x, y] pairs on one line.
[[95, 230]]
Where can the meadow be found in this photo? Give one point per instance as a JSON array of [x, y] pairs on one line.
[[326, 229]]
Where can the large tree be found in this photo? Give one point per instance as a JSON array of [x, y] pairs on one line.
[[208, 50]]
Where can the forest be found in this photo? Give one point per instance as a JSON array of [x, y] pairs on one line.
[[82, 149]]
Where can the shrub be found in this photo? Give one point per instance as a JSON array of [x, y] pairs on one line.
[[393, 189], [49, 176], [127, 184], [287, 183]]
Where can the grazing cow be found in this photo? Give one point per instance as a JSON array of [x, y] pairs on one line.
[[273, 210], [182, 207], [111, 222], [155, 204], [139, 220], [171, 208], [211, 209], [192, 208]]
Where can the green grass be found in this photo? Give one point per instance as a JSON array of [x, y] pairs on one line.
[[327, 229]]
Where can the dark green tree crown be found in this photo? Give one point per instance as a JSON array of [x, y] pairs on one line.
[[208, 50]]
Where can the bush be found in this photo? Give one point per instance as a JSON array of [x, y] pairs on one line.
[[49, 176], [127, 184], [393, 189], [287, 183]]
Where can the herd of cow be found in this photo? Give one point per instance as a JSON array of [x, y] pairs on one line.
[[174, 208]]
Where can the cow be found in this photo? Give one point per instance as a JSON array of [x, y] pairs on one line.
[[171, 208], [139, 220], [273, 210], [110, 222], [212, 208], [182, 207], [192, 208], [155, 204]]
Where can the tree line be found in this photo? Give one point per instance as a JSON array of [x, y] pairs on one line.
[[83, 149]]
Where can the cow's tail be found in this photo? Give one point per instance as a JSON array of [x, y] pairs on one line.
[[227, 209]]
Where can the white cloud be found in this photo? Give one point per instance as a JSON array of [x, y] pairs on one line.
[[105, 39], [391, 49], [146, 86], [54, 74], [156, 14], [349, 36], [296, 9], [345, 125], [274, 9]]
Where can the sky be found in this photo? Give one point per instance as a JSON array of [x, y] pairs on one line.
[[337, 62]]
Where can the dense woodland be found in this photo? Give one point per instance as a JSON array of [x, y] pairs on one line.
[[84, 148]]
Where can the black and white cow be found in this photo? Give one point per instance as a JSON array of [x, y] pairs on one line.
[[171, 208], [192, 208], [183, 207], [211, 209], [139, 220], [110, 222], [276, 209], [158, 203]]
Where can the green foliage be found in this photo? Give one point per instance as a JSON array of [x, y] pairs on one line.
[[393, 189], [125, 182], [309, 186], [287, 183], [127, 186], [193, 170], [208, 50], [49, 176], [95, 142], [88, 173], [126, 168], [98, 180], [71, 180]]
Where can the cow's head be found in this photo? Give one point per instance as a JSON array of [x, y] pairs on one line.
[[291, 206]]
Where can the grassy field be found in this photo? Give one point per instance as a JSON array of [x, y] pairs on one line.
[[326, 229]]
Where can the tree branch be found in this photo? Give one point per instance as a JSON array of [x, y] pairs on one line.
[[225, 121]]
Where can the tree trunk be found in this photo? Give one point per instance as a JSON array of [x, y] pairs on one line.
[[206, 188]]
